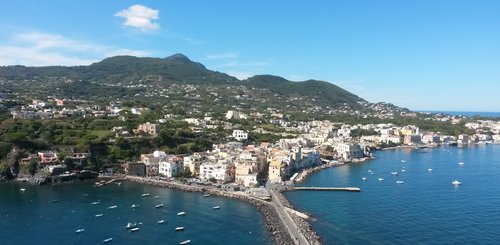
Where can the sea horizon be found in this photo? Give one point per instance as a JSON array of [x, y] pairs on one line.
[[463, 113]]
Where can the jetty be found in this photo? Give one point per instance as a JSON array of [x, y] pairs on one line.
[[305, 188]]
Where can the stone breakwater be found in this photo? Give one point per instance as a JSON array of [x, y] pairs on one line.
[[303, 224], [274, 226]]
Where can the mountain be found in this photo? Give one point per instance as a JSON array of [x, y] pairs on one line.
[[319, 90], [125, 77]]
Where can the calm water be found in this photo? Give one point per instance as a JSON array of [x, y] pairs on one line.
[[426, 209], [32, 217], [469, 113]]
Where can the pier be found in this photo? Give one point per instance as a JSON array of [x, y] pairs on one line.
[[351, 189]]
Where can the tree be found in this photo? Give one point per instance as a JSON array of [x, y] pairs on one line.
[[5, 171], [32, 166]]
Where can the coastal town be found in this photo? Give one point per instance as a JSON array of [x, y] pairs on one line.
[[298, 145], [240, 165]]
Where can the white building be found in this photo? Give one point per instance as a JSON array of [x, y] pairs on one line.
[[171, 167], [216, 171], [349, 150], [240, 135]]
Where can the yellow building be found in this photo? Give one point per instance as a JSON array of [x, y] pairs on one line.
[[276, 171]]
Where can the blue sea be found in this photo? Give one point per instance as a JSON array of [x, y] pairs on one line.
[[426, 209], [467, 113], [52, 214]]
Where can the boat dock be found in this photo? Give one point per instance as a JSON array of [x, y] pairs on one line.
[[351, 189]]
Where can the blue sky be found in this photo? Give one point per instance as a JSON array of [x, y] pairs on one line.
[[423, 55]]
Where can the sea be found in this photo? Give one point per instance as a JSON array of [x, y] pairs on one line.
[[426, 208], [52, 215], [467, 113]]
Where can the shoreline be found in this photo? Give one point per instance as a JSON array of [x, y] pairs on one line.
[[274, 227]]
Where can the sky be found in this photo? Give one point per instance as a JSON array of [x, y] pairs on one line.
[[440, 55]]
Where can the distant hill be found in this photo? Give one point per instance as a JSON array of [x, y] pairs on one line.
[[128, 76]]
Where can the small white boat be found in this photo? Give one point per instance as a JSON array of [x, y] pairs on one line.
[[156, 197], [456, 182], [206, 195], [112, 207], [429, 170], [107, 240], [400, 182], [394, 173], [185, 242], [134, 229], [179, 228], [380, 179], [461, 163], [161, 221], [181, 213], [79, 230], [135, 206], [216, 207], [131, 225], [403, 170], [145, 195], [22, 189], [364, 178], [159, 205], [98, 215], [95, 203], [369, 171], [403, 160]]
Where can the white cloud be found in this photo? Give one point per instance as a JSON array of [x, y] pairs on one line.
[[45, 49], [140, 17]]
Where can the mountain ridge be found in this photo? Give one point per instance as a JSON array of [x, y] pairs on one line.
[[135, 75]]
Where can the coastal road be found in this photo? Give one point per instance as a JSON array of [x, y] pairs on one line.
[[294, 231]]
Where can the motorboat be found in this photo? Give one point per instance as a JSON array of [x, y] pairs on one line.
[[185, 242], [134, 229], [456, 182], [364, 178], [95, 203], [112, 207], [156, 197], [131, 225], [161, 221], [461, 163], [79, 230], [159, 205], [206, 195], [400, 182], [107, 240], [394, 173], [98, 215], [179, 228], [145, 195], [181, 213], [403, 161], [380, 179], [216, 207], [22, 189], [429, 170], [403, 170], [135, 206]]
